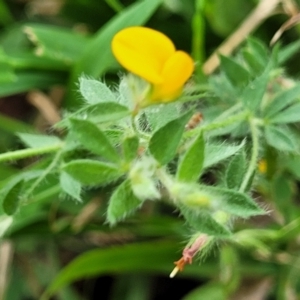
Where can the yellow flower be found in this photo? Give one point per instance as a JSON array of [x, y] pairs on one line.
[[152, 56]]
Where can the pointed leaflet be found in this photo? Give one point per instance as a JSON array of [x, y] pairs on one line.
[[95, 91], [289, 115], [190, 166], [282, 100], [122, 203], [236, 170], [159, 115], [253, 63], [253, 93], [130, 147], [281, 138], [288, 51], [165, 141], [259, 50], [93, 139], [92, 172], [97, 113], [38, 140], [10, 195], [237, 74], [234, 202], [70, 186], [204, 222], [214, 153]]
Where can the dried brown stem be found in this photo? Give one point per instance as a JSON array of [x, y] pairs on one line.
[[258, 15], [6, 252]]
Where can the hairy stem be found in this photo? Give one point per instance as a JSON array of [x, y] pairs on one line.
[[51, 166], [219, 124], [254, 155], [24, 153]]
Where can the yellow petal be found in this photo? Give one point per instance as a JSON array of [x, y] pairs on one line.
[[143, 51], [176, 71]]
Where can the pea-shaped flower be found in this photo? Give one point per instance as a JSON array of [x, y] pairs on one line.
[[152, 56]]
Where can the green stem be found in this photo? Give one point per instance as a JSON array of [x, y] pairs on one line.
[[164, 178], [133, 125], [254, 155], [221, 124], [20, 154], [46, 194], [12, 126], [227, 113], [198, 28], [36, 183], [224, 123], [116, 5]]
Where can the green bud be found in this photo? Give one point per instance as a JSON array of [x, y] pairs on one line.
[[143, 184], [191, 195], [221, 217]]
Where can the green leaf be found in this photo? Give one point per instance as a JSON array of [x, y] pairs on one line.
[[165, 141], [37, 141], [203, 222], [281, 138], [93, 139], [237, 74], [68, 45], [6, 17], [253, 94], [215, 153], [92, 172], [97, 56], [289, 115], [116, 259], [213, 291], [282, 188], [7, 71], [160, 115], [190, 166], [27, 60], [234, 202], [95, 91], [10, 195], [292, 164], [29, 80], [282, 100], [230, 272], [106, 112], [70, 186], [97, 113], [13, 125], [122, 203], [259, 50], [130, 147], [253, 63], [236, 170], [288, 51]]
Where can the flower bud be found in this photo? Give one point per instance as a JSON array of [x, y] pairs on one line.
[[191, 195], [142, 182]]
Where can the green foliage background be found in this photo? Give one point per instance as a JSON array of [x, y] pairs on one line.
[[62, 186]]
